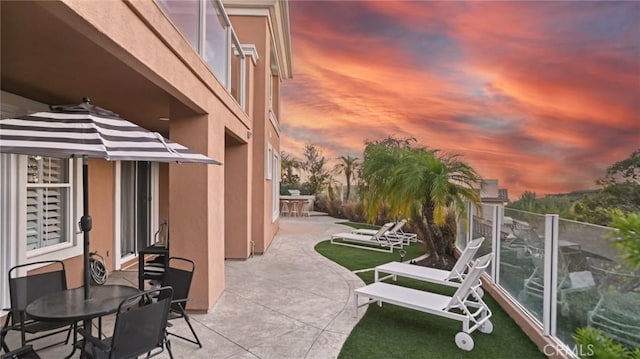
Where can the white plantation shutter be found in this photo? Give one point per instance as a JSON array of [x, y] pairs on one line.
[[48, 189]]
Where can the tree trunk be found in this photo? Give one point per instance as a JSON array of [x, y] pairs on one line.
[[425, 227], [441, 238]]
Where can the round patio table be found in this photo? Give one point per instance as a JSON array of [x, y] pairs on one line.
[[71, 306]]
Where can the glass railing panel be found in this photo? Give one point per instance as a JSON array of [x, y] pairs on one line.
[[217, 46], [184, 14], [595, 288], [522, 259], [482, 226]]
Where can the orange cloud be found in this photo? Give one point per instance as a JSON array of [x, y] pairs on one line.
[[542, 96]]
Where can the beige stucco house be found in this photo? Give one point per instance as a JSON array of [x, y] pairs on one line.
[[205, 73]]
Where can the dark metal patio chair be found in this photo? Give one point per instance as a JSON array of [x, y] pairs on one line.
[[141, 327], [23, 289], [26, 352], [180, 280]]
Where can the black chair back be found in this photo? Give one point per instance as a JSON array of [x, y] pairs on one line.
[[179, 279], [27, 288], [141, 323], [179, 275]]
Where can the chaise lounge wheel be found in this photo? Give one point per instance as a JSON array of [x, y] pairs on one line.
[[464, 341], [486, 327], [480, 292]]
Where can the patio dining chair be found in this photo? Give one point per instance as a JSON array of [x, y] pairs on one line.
[[179, 278], [23, 289], [26, 352], [140, 328]]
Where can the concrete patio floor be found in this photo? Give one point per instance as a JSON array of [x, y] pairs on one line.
[[288, 303]]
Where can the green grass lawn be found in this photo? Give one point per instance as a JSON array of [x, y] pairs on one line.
[[396, 332]]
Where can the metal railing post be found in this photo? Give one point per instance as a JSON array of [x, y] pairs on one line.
[[495, 242], [469, 222], [549, 312]]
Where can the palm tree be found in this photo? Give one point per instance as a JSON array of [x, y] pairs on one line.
[[423, 185], [287, 165], [348, 166]]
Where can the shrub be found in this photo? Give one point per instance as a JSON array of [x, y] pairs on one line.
[[354, 211], [593, 343]]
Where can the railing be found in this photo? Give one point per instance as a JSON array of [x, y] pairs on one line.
[[563, 274]]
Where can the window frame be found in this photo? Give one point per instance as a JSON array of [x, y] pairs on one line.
[[63, 212], [269, 164], [275, 188]]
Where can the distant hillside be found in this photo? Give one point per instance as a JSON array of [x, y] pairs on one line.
[[575, 194]]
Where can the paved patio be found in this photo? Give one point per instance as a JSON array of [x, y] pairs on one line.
[[288, 303]]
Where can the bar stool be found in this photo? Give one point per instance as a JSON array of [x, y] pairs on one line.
[[293, 208], [304, 208], [284, 207]]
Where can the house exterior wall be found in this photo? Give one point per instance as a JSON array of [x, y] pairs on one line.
[[130, 58], [255, 30]]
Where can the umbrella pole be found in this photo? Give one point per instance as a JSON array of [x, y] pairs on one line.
[[85, 222]]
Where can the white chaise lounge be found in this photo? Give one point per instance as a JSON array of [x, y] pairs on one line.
[[465, 305], [394, 232], [377, 242], [452, 278]]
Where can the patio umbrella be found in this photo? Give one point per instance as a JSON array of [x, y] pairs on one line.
[[89, 131]]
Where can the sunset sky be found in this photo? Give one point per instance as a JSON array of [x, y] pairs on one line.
[[542, 96]]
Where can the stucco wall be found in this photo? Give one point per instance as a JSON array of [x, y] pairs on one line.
[[138, 36], [255, 30]]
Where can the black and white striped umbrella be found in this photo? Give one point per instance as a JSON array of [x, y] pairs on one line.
[[87, 131]]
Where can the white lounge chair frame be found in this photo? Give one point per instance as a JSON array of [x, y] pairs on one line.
[[378, 242], [394, 232], [452, 278], [371, 232], [465, 305]]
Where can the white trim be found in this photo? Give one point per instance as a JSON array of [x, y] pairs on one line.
[[274, 121], [268, 164], [550, 298], [275, 187], [202, 24], [8, 222], [495, 242], [247, 12], [252, 51]]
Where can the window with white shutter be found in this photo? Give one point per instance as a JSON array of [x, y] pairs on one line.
[[48, 198]]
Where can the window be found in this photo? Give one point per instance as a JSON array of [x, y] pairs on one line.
[[47, 201], [275, 187], [41, 200]]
